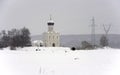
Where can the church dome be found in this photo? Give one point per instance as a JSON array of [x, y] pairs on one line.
[[50, 22]]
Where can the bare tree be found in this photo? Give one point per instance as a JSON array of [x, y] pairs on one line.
[[104, 41]]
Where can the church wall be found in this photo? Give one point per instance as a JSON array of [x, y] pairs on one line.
[[50, 38]]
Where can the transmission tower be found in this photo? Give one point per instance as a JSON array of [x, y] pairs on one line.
[[107, 28], [93, 40]]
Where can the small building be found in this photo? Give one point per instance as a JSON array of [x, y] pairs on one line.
[[51, 38], [37, 43]]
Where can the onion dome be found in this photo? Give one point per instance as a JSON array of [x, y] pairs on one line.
[[50, 22]]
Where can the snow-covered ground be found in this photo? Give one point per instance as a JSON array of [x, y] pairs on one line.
[[59, 61]]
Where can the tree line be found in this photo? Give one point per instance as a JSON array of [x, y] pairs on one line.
[[15, 38], [85, 45]]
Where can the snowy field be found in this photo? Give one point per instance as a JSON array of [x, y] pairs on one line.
[[59, 61]]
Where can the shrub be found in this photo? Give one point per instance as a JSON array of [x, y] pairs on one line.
[[73, 48], [86, 45]]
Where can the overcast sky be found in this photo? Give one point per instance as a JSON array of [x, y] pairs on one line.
[[70, 16]]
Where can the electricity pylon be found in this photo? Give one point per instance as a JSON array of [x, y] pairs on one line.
[[107, 29], [93, 40]]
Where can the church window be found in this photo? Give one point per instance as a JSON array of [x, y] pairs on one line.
[[53, 37], [57, 37]]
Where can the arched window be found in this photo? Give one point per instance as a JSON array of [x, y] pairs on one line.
[[53, 37], [57, 37]]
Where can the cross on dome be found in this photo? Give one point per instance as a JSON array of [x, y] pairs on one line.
[[50, 22]]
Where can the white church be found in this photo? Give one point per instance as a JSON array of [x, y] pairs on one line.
[[51, 38]]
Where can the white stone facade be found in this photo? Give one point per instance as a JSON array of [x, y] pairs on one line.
[[51, 38]]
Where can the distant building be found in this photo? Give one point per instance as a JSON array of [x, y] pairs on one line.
[[51, 38], [37, 43]]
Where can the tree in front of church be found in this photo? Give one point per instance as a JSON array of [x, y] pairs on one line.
[[20, 38], [25, 37], [15, 38], [4, 39]]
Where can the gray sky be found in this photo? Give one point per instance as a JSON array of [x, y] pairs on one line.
[[70, 16]]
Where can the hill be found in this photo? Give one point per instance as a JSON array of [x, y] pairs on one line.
[[75, 40]]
